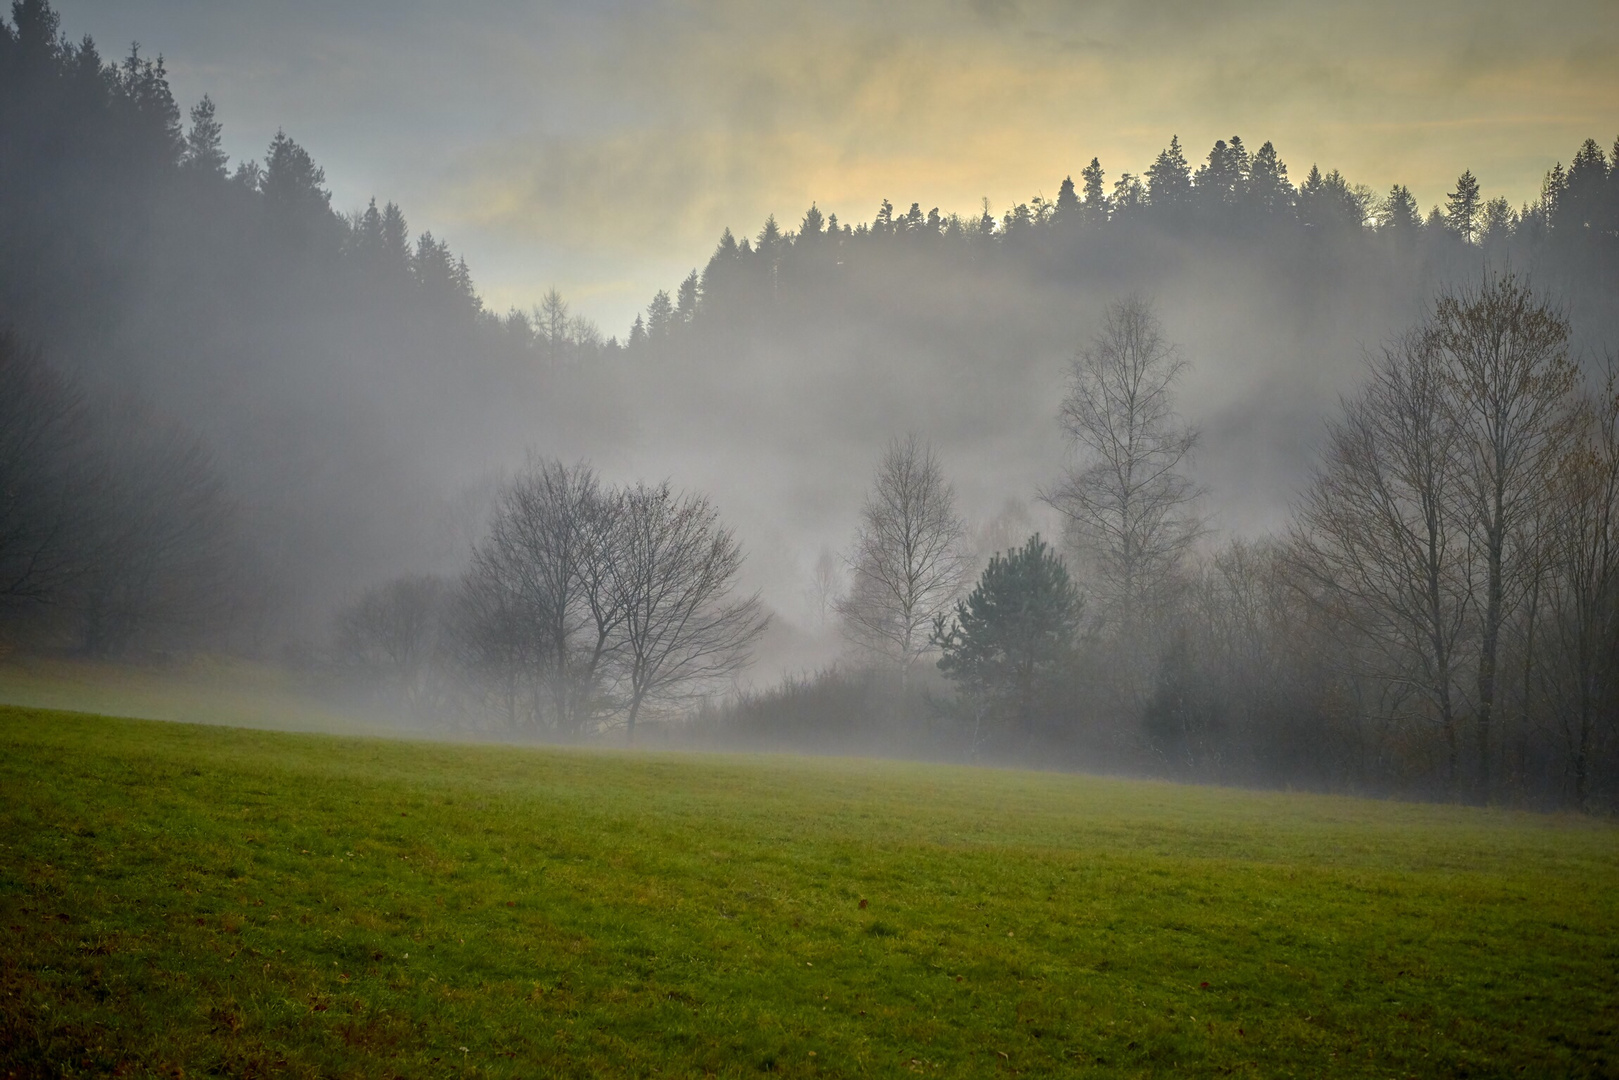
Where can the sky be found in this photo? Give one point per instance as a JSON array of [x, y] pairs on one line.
[[601, 147]]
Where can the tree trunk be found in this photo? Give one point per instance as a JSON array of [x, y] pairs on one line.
[[1489, 643]]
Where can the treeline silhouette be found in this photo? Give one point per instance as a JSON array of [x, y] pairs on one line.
[[1568, 237], [333, 370]]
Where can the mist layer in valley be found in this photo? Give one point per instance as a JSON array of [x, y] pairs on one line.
[[250, 414]]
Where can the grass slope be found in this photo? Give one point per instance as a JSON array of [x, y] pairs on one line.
[[197, 690], [216, 901]]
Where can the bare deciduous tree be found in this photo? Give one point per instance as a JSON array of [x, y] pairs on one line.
[[1128, 504], [586, 601], [43, 478], [166, 552], [1377, 540], [1504, 351], [392, 632], [1582, 580], [826, 585], [536, 588], [674, 571], [909, 562]]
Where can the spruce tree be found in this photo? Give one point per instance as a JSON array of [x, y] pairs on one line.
[[202, 151], [1096, 203], [1462, 207], [1169, 181], [811, 227], [689, 295], [660, 315], [1400, 214], [1068, 208], [1268, 189], [1010, 639]]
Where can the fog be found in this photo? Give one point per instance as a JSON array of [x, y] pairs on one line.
[[344, 410]]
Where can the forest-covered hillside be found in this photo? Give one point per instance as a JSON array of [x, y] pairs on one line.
[[229, 406]]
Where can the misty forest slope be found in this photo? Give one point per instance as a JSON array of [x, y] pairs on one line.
[[260, 904]]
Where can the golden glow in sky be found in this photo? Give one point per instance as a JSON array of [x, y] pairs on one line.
[[602, 147]]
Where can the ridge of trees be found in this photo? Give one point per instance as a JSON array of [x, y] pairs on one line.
[[1574, 221]]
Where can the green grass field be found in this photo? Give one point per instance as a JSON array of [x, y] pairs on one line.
[[201, 901]]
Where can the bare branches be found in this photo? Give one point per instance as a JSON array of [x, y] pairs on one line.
[[587, 602], [1128, 504], [673, 577], [536, 593], [1509, 381], [1377, 537], [1425, 528], [1582, 580], [909, 562], [43, 477]]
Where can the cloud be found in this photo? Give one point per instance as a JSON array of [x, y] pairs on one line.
[[715, 114], [624, 136]]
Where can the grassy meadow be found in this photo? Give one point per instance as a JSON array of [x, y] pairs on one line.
[[182, 900]]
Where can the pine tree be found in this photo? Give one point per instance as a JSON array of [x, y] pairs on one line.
[[1612, 211], [1239, 162], [1219, 181], [1462, 207], [722, 271], [292, 182], [1496, 222], [810, 228], [1399, 213], [1068, 208], [202, 150], [1013, 635], [1328, 200], [1169, 181], [1096, 203], [395, 251], [770, 242], [1581, 210], [365, 236], [660, 315], [142, 91], [883, 224], [688, 298], [431, 261], [1268, 189], [1129, 195]]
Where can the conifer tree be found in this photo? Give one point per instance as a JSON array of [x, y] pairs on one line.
[[1268, 190], [1462, 207], [1399, 213], [1496, 222], [811, 227], [1068, 208], [1129, 195], [1169, 180], [689, 296], [292, 182], [395, 239], [202, 151], [660, 315], [1581, 209], [1096, 207], [1010, 639]]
